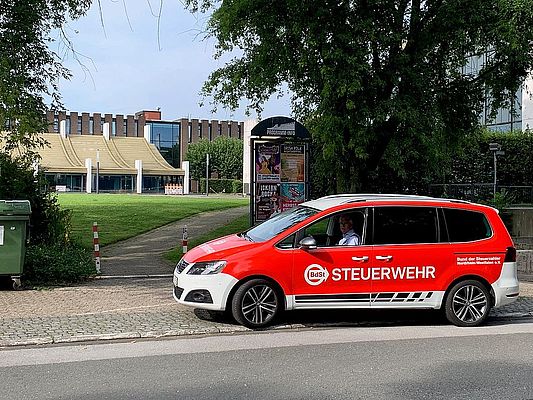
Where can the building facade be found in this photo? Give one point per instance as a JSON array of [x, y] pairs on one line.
[[116, 145]]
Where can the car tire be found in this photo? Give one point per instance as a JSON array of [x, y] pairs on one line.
[[256, 304], [468, 303]]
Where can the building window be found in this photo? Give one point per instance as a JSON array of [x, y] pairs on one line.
[[210, 132], [67, 124], [102, 125], [78, 125], [136, 133], [229, 128], [114, 127], [91, 126], [200, 130], [56, 123], [189, 133], [239, 131], [125, 127]]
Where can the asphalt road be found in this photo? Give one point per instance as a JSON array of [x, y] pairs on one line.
[[434, 362]]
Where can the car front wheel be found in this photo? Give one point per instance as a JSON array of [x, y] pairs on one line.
[[256, 303], [468, 303]]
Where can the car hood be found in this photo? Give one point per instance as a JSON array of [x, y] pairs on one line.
[[219, 249]]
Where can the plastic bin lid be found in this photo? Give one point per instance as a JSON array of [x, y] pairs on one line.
[[15, 207]]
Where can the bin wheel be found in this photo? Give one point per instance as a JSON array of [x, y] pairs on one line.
[[16, 284]]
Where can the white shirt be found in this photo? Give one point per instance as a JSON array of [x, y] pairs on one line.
[[350, 238]]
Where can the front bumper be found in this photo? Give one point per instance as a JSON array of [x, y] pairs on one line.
[[506, 286], [218, 285]]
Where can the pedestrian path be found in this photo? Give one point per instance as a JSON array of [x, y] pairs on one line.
[[143, 255]]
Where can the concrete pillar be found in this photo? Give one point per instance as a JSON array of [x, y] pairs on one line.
[[89, 180], [184, 138], [224, 128], [139, 167], [234, 129], [205, 129], [147, 132], [214, 130], [186, 177], [130, 126], [85, 124], [73, 123], [107, 131], [195, 134], [141, 121], [97, 124], [63, 129], [119, 129]]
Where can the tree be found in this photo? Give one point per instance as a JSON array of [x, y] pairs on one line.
[[225, 157], [29, 69], [382, 85]]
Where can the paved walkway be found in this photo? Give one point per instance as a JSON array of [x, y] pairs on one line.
[[121, 308]]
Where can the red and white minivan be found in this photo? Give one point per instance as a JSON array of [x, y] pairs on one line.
[[410, 252]]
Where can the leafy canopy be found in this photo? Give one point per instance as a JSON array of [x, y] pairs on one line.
[[225, 157], [380, 83], [29, 69]]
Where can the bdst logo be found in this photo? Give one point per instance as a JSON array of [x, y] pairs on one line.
[[315, 274]]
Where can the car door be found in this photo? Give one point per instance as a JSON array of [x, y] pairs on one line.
[[332, 275], [409, 261]]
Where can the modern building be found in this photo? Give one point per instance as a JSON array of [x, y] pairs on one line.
[[517, 117], [116, 153]]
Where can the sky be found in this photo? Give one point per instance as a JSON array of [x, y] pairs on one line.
[[126, 66]]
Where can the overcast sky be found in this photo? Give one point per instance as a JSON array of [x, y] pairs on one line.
[[127, 69]]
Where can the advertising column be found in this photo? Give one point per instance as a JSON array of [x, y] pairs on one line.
[[267, 173], [292, 188]]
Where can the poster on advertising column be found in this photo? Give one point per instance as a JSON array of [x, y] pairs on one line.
[[291, 194], [292, 163], [267, 200], [267, 162]]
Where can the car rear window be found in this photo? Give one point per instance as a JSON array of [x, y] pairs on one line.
[[466, 226]]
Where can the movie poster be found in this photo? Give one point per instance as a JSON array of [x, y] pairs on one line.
[[292, 194], [267, 201], [267, 162], [292, 163]]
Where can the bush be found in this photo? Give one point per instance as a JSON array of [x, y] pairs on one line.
[[222, 185], [57, 263], [51, 256]]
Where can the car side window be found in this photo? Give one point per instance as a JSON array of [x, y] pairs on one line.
[[287, 243], [319, 231], [405, 225]]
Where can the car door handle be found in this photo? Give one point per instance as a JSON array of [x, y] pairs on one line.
[[383, 258], [360, 259]]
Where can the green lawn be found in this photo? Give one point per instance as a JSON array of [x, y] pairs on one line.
[[238, 225], [121, 216]]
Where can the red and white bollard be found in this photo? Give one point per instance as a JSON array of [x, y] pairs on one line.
[[96, 247], [184, 239]]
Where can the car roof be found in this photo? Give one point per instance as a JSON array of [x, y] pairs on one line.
[[327, 202]]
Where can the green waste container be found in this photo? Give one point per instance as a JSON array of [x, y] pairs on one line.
[[14, 217]]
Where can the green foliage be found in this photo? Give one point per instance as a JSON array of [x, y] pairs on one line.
[[222, 185], [29, 70], [57, 263], [225, 157], [381, 85]]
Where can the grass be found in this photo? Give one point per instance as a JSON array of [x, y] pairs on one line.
[[121, 216], [237, 225]]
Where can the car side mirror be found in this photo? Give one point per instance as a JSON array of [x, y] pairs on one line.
[[307, 243]]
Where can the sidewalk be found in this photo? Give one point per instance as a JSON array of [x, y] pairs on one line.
[[143, 307]]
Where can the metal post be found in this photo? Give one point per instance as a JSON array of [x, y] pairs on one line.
[[97, 171], [207, 174], [494, 176]]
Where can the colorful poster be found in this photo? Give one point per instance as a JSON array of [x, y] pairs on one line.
[[267, 162], [292, 194], [292, 163], [267, 201]]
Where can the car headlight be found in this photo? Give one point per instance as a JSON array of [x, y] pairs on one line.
[[206, 268]]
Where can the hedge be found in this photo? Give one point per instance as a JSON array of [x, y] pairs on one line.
[[222, 185]]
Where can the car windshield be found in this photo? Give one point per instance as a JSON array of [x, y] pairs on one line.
[[278, 223]]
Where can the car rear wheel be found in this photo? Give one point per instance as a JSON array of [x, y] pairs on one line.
[[256, 303], [468, 303]]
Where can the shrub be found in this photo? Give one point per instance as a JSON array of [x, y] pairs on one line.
[[57, 263], [222, 185]]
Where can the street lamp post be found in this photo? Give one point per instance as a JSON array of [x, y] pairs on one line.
[[97, 171]]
